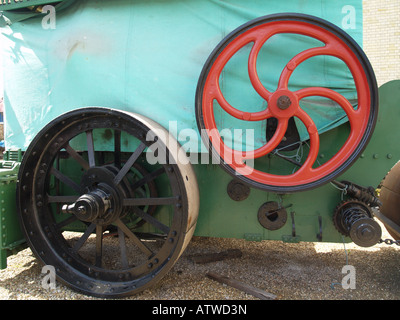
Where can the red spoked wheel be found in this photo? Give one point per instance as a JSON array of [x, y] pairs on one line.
[[283, 104]]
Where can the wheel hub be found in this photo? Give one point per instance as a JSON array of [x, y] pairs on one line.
[[102, 202], [284, 102], [90, 207]]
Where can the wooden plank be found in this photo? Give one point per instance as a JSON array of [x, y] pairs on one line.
[[261, 294], [212, 257]]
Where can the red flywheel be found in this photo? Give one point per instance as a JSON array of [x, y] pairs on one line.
[[284, 104]]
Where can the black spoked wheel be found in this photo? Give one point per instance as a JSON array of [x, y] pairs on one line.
[[91, 205]]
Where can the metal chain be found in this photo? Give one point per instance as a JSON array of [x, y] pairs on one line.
[[390, 241]]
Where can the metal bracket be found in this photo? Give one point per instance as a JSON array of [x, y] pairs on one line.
[[293, 238], [319, 235]]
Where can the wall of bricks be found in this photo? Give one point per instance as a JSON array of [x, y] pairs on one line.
[[381, 23]]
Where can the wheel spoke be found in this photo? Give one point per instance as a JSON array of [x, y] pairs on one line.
[[252, 68], [298, 59], [99, 245], [90, 147], [127, 166], [314, 140], [64, 179], [330, 94], [66, 222], [122, 247], [241, 115], [84, 237], [149, 177], [150, 219], [77, 157], [134, 238], [117, 148], [272, 143]]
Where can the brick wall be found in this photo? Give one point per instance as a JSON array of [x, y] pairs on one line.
[[381, 20]]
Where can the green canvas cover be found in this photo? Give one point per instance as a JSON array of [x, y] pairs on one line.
[[145, 56]]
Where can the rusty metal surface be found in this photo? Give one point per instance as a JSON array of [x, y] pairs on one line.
[[390, 197]]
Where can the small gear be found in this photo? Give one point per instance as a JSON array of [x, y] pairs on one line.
[[354, 219], [349, 206]]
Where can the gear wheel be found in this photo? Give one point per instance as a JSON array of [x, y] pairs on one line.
[[354, 219], [353, 206]]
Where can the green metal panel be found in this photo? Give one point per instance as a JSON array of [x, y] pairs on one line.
[[383, 150], [11, 238]]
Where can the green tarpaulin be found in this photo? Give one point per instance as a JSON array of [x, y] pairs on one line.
[[146, 56]]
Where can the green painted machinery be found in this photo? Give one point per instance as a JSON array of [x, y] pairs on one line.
[[179, 118]]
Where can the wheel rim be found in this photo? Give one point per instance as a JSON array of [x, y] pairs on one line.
[[283, 104], [102, 198]]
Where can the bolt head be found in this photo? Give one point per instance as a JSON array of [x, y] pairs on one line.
[[284, 102]]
